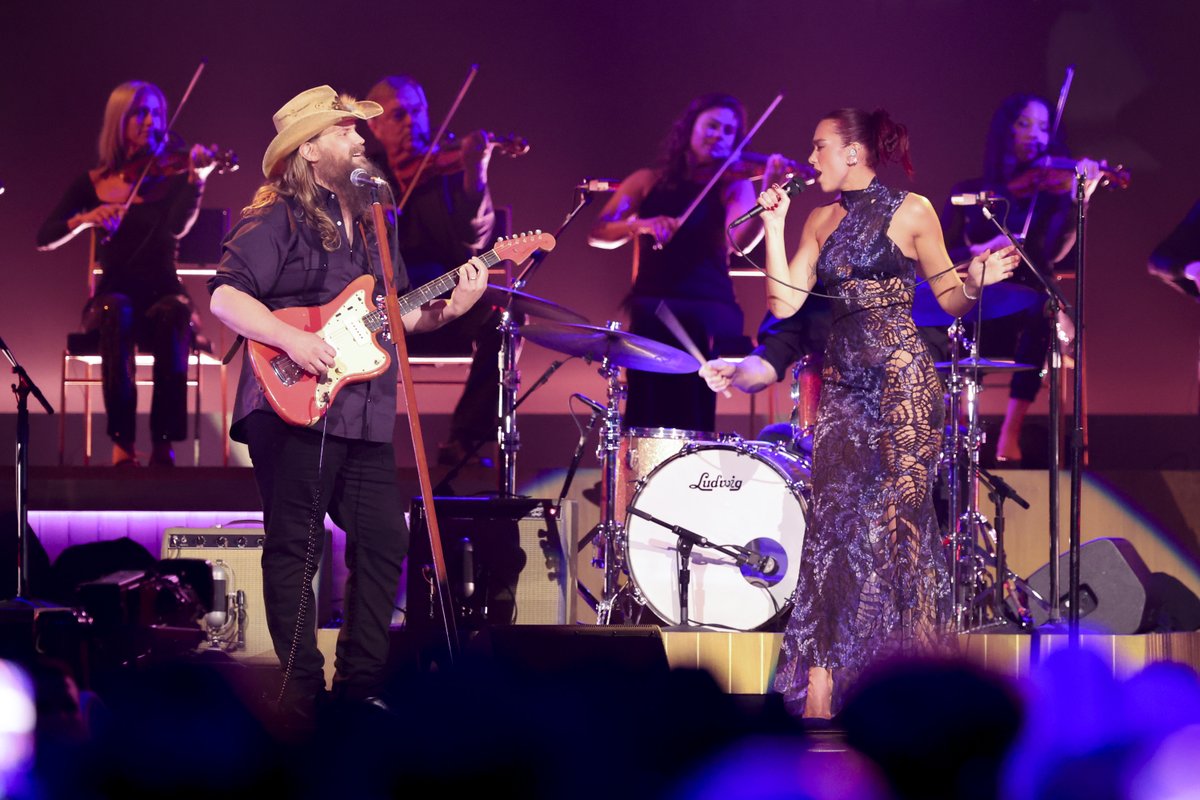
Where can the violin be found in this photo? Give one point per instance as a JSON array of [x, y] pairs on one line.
[[752, 167], [449, 157], [1056, 175], [152, 168]]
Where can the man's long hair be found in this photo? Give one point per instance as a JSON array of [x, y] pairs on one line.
[[296, 180], [111, 142]]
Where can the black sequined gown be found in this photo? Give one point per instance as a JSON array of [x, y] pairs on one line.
[[872, 580]]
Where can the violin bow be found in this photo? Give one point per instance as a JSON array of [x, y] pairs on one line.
[[734, 156], [441, 131], [1058, 115], [182, 102]]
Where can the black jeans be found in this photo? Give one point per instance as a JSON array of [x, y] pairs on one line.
[[165, 330], [355, 482]]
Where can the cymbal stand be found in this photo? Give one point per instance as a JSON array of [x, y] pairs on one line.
[[610, 531], [507, 437], [970, 526], [954, 388]]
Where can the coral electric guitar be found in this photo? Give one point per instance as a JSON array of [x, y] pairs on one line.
[[352, 324]]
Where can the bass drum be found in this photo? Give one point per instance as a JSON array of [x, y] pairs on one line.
[[746, 495]]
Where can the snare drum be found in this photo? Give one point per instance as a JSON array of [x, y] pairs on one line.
[[743, 494], [643, 449]]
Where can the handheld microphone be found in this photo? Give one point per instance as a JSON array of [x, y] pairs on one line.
[[975, 199], [791, 187], [360, 177], [598, 185]]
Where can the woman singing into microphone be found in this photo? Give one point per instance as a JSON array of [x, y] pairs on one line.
[[872, 578]]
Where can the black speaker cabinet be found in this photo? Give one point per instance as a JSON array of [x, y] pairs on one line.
[[632, 650], [239, 549], [1113, 582], [510, 561]]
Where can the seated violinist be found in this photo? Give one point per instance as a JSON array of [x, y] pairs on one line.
[[139, 300], [1018, 140], [448, 218], [685, 265]]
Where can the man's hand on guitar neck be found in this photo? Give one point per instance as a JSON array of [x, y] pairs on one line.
[[472, 281]]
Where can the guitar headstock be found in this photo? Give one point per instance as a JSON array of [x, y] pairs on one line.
[[521, 246]]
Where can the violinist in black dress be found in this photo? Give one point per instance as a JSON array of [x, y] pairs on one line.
[[684, 265], [139, 299], [1039, 207]]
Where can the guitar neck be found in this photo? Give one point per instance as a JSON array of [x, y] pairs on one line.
[[422, 295]]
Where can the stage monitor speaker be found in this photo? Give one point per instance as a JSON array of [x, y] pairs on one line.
[[1113, 588], [631, 650], [509, 562], [240, 550]]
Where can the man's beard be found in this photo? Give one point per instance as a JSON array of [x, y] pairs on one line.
[[355, 199]]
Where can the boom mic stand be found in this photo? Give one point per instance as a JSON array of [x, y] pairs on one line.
[[1058, 304], [22, 389]]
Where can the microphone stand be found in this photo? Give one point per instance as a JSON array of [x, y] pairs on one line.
[[1077, 432], [1000, 491], [689, 539], [1057, 304], [597, 410], [22, 389]]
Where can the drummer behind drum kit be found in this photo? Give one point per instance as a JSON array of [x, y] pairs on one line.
[[708, 530]]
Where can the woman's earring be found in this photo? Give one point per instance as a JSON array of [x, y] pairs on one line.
[[853, 159]]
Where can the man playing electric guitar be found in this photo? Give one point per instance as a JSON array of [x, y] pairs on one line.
[[303, 239]]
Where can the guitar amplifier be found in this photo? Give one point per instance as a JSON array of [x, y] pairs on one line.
[[510, 561], [239, 551]]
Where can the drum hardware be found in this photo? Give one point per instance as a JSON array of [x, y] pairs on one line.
[[975, 544], [613, 348], [758, 568], [511, 303]]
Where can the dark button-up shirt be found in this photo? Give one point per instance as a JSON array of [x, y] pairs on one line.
[[277, 258]]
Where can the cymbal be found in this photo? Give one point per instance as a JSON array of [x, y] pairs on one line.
[[998, 300], [623, 349], [532, 305], [985, 365]]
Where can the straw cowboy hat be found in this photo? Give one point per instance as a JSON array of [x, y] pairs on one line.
[[306, 115]]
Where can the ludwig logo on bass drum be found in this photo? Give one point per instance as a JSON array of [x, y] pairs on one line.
[[707, 483]]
